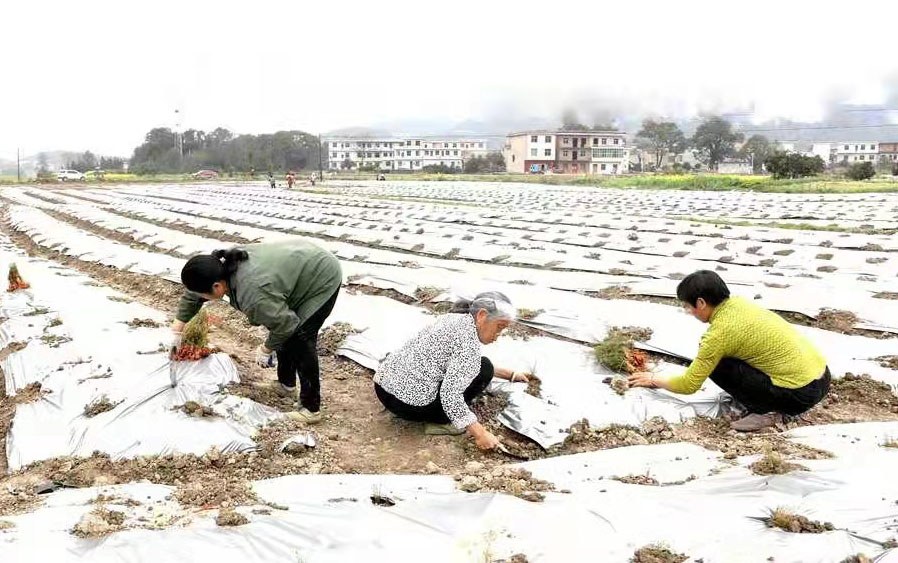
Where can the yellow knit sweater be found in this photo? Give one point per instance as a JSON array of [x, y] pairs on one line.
[[742, 330]]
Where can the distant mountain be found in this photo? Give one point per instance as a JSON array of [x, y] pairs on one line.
[[843, 123]]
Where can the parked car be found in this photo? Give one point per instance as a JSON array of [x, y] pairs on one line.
[[206, 175], [69, 175]]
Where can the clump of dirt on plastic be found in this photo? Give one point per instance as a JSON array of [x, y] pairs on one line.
[[99, 405], [143, 323], [332, 338], [529, 314], [99, 522], [427, 293], [30, 393], [193, 408], [478, 477], [772, 463], [886, 295], [836, 320], [785, 519], [861, 389], [223, 491], [657, 553], [613, 292], [15, 279], [6, 525], [487, 407], [637, 480], [230, 517], [195, 339], [534, 387], [890, 362], [857, 558]]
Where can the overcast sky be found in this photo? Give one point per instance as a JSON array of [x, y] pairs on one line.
[[98, 75]]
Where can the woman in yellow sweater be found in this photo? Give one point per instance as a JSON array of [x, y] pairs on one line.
[[751, 353]]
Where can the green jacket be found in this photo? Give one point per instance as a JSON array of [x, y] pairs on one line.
[[279, 287]]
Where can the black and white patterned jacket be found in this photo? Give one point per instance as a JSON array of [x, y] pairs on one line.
[[443, 359]]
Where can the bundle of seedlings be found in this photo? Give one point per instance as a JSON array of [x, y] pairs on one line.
[[15, 279], [195, 340], [617, 353]]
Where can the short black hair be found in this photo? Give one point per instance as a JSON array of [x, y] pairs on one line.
[[703, 284]]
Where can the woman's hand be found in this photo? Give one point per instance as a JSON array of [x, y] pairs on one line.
[[521, 377], [177, 332], [264, 357], [642, 379], [482, 437]]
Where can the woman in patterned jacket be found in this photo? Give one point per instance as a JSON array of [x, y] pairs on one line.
[[434, 377]]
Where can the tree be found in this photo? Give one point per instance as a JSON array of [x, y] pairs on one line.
[[112, 163], [84, 162], [793, 165], [491, 162], [660, 138], [861, 171], [715, 140], [757, 148]]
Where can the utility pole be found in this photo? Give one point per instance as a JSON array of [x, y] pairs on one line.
[[18, 166], [320, 170]]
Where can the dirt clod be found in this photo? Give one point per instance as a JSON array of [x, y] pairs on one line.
[[193, 408], [332, 338], [230, 517], [99, 522], [502, 479], [795, 523], [637, 480], [890, 362], [836, 320], [381, 500], [657, 553], [143, 323], [99, 405]]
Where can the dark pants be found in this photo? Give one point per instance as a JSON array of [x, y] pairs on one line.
[[299, 357], [434, 411], [754, 389]]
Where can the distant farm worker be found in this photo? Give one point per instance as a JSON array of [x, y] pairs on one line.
[[271, 180], [290, 288], [434, 377], [751, 353], [291, 179]]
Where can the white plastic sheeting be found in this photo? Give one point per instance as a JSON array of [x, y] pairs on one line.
[[712, 517], [79, 347]]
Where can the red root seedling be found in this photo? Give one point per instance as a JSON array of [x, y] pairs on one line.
[[15, 279], [195, 342]]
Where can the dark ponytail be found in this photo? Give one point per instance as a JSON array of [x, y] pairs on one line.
[[201, 272]]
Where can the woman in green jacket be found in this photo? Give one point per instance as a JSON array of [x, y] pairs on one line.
[[290, 288]]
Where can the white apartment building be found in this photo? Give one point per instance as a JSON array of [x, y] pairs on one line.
[[851, 152], [530, 151], [408, 155], [567, 152]]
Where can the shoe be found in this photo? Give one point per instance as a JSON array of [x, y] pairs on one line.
[[305, 415], [282, 390], [442, 430], [755, 422]]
